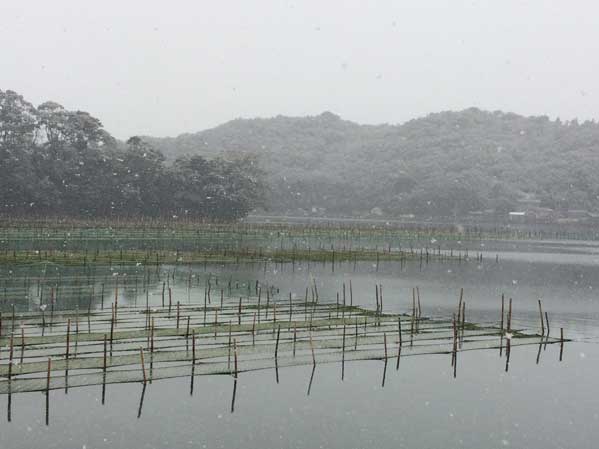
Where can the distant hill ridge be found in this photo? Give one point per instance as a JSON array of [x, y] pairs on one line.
[[444, 164]]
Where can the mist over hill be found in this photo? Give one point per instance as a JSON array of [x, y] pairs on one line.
[[444, 164]]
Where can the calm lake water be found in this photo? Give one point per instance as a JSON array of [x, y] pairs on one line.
[[544, 405]]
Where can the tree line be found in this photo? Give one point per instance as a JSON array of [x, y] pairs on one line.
[[56, 162], [443, 165]]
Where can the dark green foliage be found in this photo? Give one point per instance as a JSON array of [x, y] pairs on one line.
[[63, 163], [221, 188], [444, 164]]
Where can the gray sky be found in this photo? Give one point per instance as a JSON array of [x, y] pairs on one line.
[[167, 67]]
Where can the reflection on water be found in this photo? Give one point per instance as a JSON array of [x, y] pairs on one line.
[[483, 407], [516, 396]]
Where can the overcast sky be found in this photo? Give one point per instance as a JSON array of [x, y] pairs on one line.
[[167, 67]]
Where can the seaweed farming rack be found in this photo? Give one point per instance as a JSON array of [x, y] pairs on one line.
[[229, 336]]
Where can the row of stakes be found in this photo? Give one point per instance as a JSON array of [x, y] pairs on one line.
[[458, 326]]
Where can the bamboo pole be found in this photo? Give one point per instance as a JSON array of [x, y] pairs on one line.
[[561, 344], [22, 345], [143, 366], [400, 342], [541, 316], [68, 339]]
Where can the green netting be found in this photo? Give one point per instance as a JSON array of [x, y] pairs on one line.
[[259, 337]]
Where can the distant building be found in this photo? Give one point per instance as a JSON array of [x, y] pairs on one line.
[[517, 216]]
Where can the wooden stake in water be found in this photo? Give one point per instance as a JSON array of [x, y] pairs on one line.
[[229, 349], [419, 307], [259, 299], [561, 343], [509, 316], [290, 311], [215, 322], [48, 391], [187, 334], [453, 350], [400, 342], [343, 355], [68, 339], [463, 323], [236, 373], [141, 401], [541, 316], [501, 326], [143, 366], [384, 373], [276, 353], [193, 367], [508, 349], [48, 375], [116, 303], [10, 357], [22, 344], [539, 351], [111, 329], [294, 338], [455, 347], [254, 330], [234, 380], [277, 344], [312, 349], [385, 343], [151, 340], [356, 336], [502, 310], [105, 345], [193, 347], [311, 379], [413, 325], [267, 302]]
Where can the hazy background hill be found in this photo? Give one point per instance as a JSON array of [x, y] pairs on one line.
[[444, 164]]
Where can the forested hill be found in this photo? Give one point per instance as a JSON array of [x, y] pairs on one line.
[[60, 163], [443, 164]]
